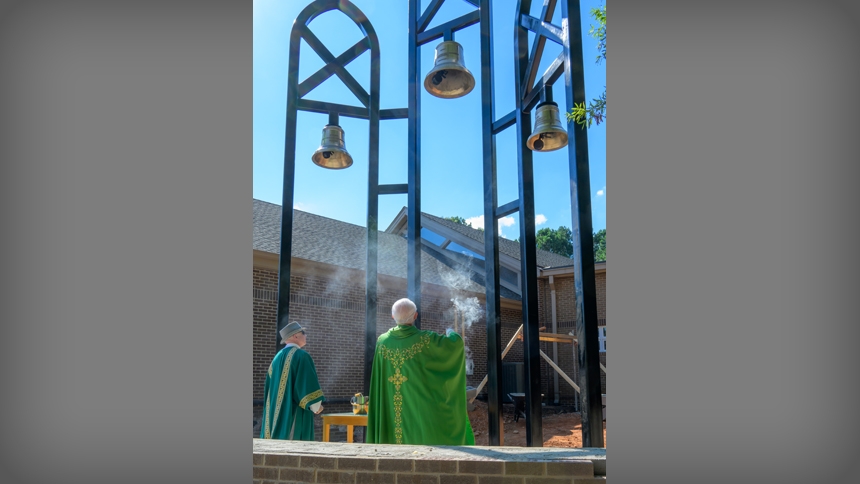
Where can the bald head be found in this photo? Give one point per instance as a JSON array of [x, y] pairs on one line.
[[404, 311]]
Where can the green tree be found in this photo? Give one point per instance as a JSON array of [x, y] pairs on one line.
[[558, 241], [599, 245], [595, 112]]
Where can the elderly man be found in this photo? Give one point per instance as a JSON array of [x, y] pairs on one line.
[[292, 391], [418, 385]]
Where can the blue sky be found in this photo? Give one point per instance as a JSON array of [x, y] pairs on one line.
[[450, 128]]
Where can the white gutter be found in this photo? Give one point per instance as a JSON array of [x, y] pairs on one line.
[[599, 267]]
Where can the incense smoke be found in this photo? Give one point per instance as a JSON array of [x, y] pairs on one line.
[[469, 310], [465, 310]]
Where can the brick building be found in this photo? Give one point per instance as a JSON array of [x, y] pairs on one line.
[[327, 297]]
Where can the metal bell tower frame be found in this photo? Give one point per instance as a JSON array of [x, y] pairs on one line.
[[569, 64]]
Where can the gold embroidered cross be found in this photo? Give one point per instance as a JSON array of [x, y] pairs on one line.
[[397, 379]]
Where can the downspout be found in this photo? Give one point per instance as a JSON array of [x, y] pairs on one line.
[[554, 344]]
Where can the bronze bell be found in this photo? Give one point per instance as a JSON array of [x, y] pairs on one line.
[[332, 151], [549, 133], [449, 78]]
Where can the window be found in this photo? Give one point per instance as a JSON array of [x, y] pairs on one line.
[[601, 338]]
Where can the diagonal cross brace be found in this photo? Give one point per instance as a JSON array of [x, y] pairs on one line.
[[334, 66], [431, 11], [537, 48], [428, 15], [546, 29], [552, 74]]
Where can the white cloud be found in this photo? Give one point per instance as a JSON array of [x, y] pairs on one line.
[[601, 192], [478, 223], [540, 219], [505, 222]]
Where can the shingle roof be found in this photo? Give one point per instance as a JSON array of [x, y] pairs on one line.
[[330, 241], [508, 247]]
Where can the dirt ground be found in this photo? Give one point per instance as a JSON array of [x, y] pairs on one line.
[[559, 429]]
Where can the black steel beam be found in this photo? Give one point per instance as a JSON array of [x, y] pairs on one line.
[[583, 255], [287, 195], [413, 223], [371, 271], [451, 26], [491, 234], [326, 107], [397, 113], [508, 208], [506, 122], [393, 189], [312, 106], [528, 246]]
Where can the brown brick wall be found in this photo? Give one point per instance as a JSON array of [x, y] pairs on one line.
[[600, 292], [265, 316], [405, 467]]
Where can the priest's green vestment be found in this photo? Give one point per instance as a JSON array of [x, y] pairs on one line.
[[418, 389], [291, 388]]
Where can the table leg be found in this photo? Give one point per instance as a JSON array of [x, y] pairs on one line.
[[325, 431], [519, 407], [349, 434]]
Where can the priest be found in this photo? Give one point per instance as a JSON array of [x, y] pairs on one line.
[[418, 385], [292, 391]]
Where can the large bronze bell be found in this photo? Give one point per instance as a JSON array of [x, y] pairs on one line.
[[549, 133], [332, 151], [449, 78]]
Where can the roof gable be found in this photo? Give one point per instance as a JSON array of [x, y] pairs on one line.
[[473, 239], [321, 239]]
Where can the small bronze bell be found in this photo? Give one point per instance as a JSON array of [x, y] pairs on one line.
[[549, 133], [449, 78], [332, 151]]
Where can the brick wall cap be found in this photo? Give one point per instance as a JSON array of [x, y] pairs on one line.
[[423, 452]]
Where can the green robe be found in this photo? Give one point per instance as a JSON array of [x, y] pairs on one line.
[[291, 388], [418, 389]]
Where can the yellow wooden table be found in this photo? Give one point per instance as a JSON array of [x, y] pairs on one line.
[[349, 419]]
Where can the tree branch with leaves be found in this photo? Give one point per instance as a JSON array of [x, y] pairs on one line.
[[595, 112]]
